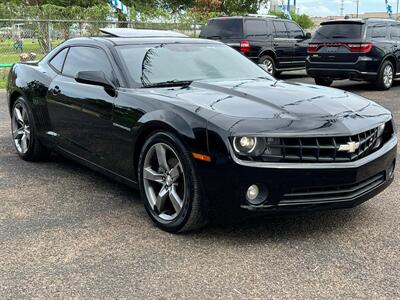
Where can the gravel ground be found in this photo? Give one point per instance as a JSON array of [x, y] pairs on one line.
[[66, 231]]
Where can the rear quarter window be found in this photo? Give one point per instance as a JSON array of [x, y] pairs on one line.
[[377, 31], [223, 28], [256, 28]]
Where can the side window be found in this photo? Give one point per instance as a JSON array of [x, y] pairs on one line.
[[256, 27], [86, 59], [57, 61], [376, 31], [395, 32], [295, 31], [280, 29]]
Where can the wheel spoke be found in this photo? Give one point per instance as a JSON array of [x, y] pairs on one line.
[[18, 133], [18, 115], [175, 199], [150, 174], [161, 197], [24, 143], [175, 172], [162, 157]]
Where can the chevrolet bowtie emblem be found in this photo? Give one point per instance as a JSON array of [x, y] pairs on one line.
[[350, 147]]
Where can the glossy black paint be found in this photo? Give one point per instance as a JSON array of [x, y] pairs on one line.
[[346, 65], [288, 49], [105, 129]]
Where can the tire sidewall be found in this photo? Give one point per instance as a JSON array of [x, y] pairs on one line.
[[26, 156], [190, 180]]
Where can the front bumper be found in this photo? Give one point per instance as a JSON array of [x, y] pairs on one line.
[[364, 68], [300, 186]]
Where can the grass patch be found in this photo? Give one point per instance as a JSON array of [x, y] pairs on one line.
[[3, 77], [10, 55]]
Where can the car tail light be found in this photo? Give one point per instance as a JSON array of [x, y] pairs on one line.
[[312, 48], [360, 47], [244, 46]]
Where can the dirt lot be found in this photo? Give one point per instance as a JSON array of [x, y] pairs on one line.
[[66, 231]]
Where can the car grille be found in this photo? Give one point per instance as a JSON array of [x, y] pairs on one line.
[[324, 149], [317, 195]]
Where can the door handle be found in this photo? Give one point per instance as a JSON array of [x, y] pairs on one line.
[[56, 90], [276, 44]]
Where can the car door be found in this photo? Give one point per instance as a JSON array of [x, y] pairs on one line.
[[283, 45], [81, 114], [395, 37], [300, 44]]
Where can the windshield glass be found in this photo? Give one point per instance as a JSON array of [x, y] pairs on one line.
[[156, 63], [339, 31]]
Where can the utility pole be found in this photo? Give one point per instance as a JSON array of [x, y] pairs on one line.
[[342, 8], [358, 2], [397, 14]]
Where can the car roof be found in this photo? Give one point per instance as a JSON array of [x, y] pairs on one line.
[[250, 16], [358, 21], [118, 41], [140, 33]]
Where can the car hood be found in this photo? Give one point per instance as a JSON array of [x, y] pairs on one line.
[[263, 105]]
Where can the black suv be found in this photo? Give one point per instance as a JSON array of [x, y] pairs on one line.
[[279, 45], [355, 49]]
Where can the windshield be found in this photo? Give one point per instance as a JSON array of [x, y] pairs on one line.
[[223, 28], [339, 31], [157, 63]]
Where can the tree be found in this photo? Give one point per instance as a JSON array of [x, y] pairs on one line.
[[303, 20]]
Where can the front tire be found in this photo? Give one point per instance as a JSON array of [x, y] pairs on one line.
[[323, 81], [169, 185], [24, 134], [385, 76]]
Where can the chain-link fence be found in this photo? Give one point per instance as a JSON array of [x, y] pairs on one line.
[[25, 40]]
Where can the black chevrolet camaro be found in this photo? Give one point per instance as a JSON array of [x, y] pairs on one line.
[[199, 128]]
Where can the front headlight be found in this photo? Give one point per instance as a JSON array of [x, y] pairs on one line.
[[257, 146], [247, 145], [379, 134]]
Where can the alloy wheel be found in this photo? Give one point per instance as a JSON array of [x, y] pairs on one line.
[[164, 181], [269, 66], [388, 76], [21, 130]]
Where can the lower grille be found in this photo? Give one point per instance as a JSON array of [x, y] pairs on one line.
[[318, 195]]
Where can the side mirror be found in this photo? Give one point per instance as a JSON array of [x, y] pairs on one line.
[[308, 35], [95, 78]]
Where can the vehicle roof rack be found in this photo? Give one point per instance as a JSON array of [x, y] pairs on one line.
[[139, 33], [262, 16]]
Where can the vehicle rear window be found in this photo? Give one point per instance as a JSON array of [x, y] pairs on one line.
[[223, 28], [339, 31]]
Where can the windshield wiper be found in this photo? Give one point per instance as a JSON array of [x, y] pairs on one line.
[[169, 83]]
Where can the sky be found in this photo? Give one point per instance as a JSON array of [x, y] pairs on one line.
[[332, 7]]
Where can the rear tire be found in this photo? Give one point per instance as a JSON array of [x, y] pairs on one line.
[[269, 64], [169, 185], [323, 81], [24, 133], [385, 76]]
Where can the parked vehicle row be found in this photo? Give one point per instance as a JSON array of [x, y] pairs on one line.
[[198, 128], [341, 49], [280, 45]]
